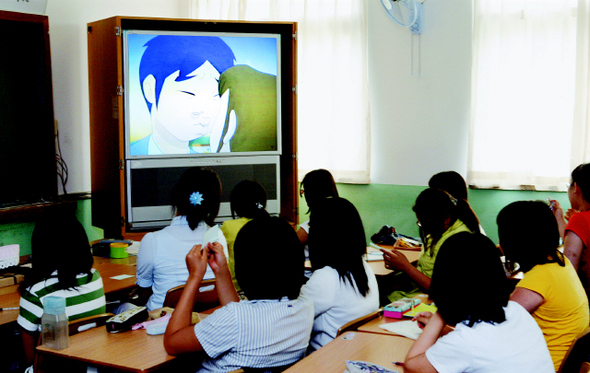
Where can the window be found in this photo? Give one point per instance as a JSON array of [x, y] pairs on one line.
[[528, 118], [333, 104]]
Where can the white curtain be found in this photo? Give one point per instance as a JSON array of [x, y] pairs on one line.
[[332, 100], [529, 93]]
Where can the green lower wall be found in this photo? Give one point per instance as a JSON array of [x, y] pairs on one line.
[[378, 205], [384, 204], [20, 232]]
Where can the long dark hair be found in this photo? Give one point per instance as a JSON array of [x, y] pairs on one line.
[[271, 268], [581, 176], [433, 207], [248, 200], [468, 263], [196, 195], [529, 234], [59, 243], [317, 185], [451, 182], [337, 239]]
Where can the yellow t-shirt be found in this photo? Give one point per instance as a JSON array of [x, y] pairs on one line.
[[230, 229], [564, 311]]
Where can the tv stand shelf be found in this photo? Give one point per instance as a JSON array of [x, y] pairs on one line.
[[112, 161]]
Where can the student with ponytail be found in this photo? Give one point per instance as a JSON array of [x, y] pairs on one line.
[[440, 216], [161, 259], [247, 201]]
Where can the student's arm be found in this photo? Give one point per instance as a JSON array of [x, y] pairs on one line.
[[416, 360], [302, 234], [396, 260], [529, 299], [225, 286], [572, 248], [180, 334], [29, 343], [558, 213]]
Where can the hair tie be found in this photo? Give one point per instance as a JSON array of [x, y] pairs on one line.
[[196, 198]]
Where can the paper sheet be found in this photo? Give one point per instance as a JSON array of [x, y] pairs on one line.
[[409, 329]]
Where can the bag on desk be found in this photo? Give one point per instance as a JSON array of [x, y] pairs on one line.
[[125, 320], [385, 236]]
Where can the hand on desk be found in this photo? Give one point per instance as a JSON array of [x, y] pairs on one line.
[[395, 260], [422, 318]]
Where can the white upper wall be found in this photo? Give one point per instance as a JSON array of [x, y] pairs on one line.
[[419, 123], [69, 58]]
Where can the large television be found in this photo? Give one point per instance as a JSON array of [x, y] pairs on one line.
[[192, 93], [27, 138]]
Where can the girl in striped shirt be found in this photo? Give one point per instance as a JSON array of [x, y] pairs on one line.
[[61, 266]]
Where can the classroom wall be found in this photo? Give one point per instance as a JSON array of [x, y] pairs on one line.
[[383, 204], [419, 90]]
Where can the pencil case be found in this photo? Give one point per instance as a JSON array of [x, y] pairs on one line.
[[125, 320], [397, 309]]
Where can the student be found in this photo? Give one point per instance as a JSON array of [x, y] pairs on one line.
[[179, 78], [272, 328], [576, 232], [491, 333], [550, 290], [343, 287], [453, 183], [315, 186], [247, 201], [440, 216], [61, 266], [161, 257]]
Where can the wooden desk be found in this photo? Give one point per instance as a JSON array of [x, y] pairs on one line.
[[378, 266], [378, 349], [107, 268], [9, 300], [130, 351]]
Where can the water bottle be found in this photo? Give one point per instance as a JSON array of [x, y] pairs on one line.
[[54, 323]]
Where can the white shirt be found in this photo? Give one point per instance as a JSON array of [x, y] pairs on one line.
[[337, 302], [513, 346], [161, 258], [255, 334]]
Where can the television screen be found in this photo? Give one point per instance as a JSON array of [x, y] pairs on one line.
[[189, 93]]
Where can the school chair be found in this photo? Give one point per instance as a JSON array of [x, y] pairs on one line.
[[74, 327], [578, 353], [206, 299], [354, 324]]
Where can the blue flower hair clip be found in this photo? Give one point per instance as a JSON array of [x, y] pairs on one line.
[[196, 198]]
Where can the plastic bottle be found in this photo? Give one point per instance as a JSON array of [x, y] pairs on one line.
[[54, 323]]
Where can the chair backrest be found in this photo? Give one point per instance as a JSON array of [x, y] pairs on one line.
[[578, 353], [206, 298], [354, 324]]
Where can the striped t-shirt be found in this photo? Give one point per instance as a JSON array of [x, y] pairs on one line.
[[256, 334], [86, 299]]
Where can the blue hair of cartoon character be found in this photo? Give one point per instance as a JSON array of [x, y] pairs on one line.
[[166, 54]]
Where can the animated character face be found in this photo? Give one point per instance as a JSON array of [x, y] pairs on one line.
[[188, 109]]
